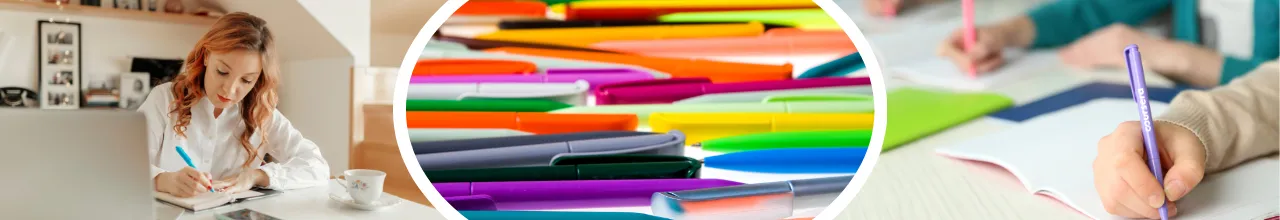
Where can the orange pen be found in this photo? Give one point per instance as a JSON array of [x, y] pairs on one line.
[[431, 67], [778, 32], [717, 71], [532, 122], [503, 8]]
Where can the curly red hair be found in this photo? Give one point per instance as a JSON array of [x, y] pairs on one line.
[[235, 31]]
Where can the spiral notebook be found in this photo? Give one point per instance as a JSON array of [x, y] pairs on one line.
[[1053, 154], [214, 200]]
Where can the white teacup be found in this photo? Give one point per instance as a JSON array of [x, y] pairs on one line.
[[364, 186]]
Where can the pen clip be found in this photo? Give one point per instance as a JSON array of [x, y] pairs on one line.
[[673, 147], [816, 98], [668, 81]]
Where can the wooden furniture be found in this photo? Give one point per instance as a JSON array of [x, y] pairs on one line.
[[379, 151], [97, 11]]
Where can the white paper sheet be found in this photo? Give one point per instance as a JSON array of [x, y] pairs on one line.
[[938, 71], [1053, 154]]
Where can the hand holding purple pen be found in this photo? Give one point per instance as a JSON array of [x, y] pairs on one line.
[[1129, 169]]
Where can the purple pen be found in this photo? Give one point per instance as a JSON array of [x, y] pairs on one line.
[[593, 76], [572, 194], [1138, 85]]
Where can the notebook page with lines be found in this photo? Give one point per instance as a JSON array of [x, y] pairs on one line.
[[1053, 154]]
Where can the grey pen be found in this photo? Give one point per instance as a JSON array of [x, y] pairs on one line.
[[773, 200], [541, 154]]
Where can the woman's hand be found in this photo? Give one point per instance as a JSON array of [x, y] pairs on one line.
[[184, 183], [986, 55], [241, 182], [1125, 183]]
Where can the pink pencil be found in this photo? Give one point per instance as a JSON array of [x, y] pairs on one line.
[[970, 34]]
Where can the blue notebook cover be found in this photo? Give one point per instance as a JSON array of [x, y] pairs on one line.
[[1080, 95]]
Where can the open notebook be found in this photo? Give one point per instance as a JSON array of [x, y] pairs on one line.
[[1053, 154], [213, 200], [939, 71]]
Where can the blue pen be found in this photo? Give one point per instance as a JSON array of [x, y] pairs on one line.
[[839, 67], [186, 158], [791, 160], [1138, 83]]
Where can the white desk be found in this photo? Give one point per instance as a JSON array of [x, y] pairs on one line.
[[309, 203], [913, 182]]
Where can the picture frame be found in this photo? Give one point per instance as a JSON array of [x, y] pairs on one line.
[[59, 65], [128, 4], [134, 88]]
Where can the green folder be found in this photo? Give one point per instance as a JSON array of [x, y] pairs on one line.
[[915, 113], [814, 18], [789, 139], [485, 105], [778, 104]]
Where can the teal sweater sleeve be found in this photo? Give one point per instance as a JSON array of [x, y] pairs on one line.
[[1063, 21], [1233, 68]]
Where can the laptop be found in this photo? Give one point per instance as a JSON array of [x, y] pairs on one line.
[[74, 164]]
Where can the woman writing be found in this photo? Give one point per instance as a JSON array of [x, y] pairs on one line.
[[220, 111]]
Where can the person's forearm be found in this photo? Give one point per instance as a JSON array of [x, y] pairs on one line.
[[1186, 63], [261, 179], [1017, 32]]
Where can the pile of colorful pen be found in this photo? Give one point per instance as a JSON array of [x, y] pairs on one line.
[[670, 107]]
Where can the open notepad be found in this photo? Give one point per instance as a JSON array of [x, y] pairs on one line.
[[1053, 154], [213, 200]]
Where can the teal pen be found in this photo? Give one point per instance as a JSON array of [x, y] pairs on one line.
[[186, 158], [839, 67], [549, 215]]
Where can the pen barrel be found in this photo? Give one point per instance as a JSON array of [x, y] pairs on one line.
[[555, 215], [796, 160], [540, 173], [499, 142], [786, 84], [497, 78], [789, 139], [485, 105], [819, 192], [540, 195], [521, 156]]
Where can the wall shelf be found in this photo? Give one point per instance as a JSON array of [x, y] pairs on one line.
[[96, 11]]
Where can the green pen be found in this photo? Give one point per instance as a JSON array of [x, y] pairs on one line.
[[788, 139], [584, 167], [485, 105], [552, 215], [775, 104], [814, 18]]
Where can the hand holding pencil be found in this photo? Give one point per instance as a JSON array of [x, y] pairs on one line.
[[1125, 185]]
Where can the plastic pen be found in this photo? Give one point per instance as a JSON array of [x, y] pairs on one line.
[[444, 134], [583, 37], [438, 50], [510, 25], [792, 160], [808, 19], [787, 139], [555, 215], [816, 105], [593, 77], [779, 32], [542, 154], [479, 44], [775, 200], [970, 33], [838, 67], [706, 126], [735, 46], [485, 105], [675, 67], [187, 159], [585, 167], [572, 194], [431, 67], [520, 8], [532, 122], [568, 93], [757, 96], [649, 10], [430, 147], [1138, 84], [675, 89]]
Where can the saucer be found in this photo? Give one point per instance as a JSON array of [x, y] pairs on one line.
[[385, 201]]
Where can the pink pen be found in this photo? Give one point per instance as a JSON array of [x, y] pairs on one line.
[[891, 9], [593, 76], [663, 91], [970, 34]]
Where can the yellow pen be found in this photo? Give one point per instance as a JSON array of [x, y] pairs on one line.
[[700, 127], [584, 37]]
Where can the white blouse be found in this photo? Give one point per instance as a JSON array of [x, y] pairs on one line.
[[214, 144]]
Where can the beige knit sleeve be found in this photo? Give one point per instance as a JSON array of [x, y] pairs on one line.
[[1235, 122]]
